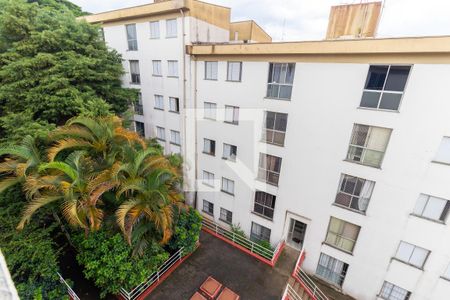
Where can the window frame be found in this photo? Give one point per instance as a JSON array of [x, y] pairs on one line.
[[229, 157], [341, 276], [158, 130], [138, 105], [268, 172], [264, 206], [339, 235], [235, 114], [212, 146], [159, 97], [157, 64], [205, 109], [409, 263], [175, 62], [176, 102], [159, 30], [273, 130], [353, 195], [210, 205], [229, 63], [227, 213], [445, 211], [142, 134], [137, 76], [228, 181], [259, 238], [216, 63], [280, 84], [392, 287], [382, 91], [434, 159], [209, 179], [177, 134], [135, 40], [171, 36]]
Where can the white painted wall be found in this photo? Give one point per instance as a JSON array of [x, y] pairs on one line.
[[322, 112]]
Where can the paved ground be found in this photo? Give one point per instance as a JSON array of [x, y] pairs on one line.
[[247, 276]]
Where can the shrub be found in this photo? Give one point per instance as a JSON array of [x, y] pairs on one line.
[[187, 231], [108, 262]]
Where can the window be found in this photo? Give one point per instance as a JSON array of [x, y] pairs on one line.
[[259, 233], [231, 114], [443, 154], [102, 34], [227, 186], [447, 273], [281, 78], [368, 144], [209, 110], [131, 37], [172, 66], [354, 192], [432, 207], [384, 87], [174, 104], [208, 178], [209, 147], [211, 70], [175, 137], [390, 291], [171, 28], [274, 128], [226, 215], [331, 269], [134, 71], [264, 204], [140, 128], [138, 107], [229, 152], [159, 102], [412, 254], [157, 69], [234, 71], [342, 234], [154, 30], [269, 168], [208, 207], [160, 133]]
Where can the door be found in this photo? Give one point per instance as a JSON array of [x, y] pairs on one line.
[[296, 235]]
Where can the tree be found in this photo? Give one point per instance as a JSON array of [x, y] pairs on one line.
[[53, 67]]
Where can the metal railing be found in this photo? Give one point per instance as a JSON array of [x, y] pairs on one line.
[[267, 254], [138, 109], [152, 279], [69, 289], [307, 283], [290, 294]]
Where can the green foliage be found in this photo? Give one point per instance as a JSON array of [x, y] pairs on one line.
[[108, 262], [236, 229], [53, 67], [187, 231], [31, 254], [60, 5]]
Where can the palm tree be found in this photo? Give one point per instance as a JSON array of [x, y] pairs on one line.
[[102, 136], [76, 184], [150, 205], [20, 162]]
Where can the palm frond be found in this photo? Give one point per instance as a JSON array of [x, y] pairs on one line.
[[60, 166], [8, 182], [65, 144], [33, 206]]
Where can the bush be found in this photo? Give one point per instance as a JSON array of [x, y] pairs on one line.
[[187, 231], [31, 254], [108, 262]]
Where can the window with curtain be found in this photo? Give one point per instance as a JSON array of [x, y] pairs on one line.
[[227, 186], [175, 137], [154, 30], [131, 37], [160, 133], [269, 168], [264, 204], [234, 69], [159, 102], [208, 207], [211, 70], [210, 110], [209, 146], [432, 208], [259, 233], [390, 291], [384, 87], [134, 72], [331, 269], [226, 215], [229, 152], [172, 67], [174, 104], [368, 144], [443, 153], [412, 254], [157, 68], [171, 28], [274, 128], [231, 114], [342, 234], [208, 178], [281, 79], [354, 192]]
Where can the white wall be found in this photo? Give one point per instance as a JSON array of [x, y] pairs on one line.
[[321, 114]]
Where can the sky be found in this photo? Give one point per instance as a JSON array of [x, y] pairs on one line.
[[293, 20]]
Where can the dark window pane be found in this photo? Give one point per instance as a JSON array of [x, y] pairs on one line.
[[343, 199], [350, 185], [376, 77], [397, 77], [270, 120], [281, 122], [290, 73], [272, 90], [390, 101], [370, 99]]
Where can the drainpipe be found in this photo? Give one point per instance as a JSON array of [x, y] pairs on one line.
[[195, 129]]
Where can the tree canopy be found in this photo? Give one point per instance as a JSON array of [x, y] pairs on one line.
[[54, 67]]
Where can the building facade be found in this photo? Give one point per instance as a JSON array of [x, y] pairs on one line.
[[339, 147]]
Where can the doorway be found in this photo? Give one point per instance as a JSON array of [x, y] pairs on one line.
[[296, 234]]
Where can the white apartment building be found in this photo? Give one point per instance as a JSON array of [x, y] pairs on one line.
[[341, 147]]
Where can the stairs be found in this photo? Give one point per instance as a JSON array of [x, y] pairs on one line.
[[299, 289]]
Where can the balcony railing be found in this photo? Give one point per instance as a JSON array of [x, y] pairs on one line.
[[269, 256], [139, 109], [71, 292], [290, 293], [305, 281]]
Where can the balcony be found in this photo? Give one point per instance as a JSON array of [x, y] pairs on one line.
[[139, 109]]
